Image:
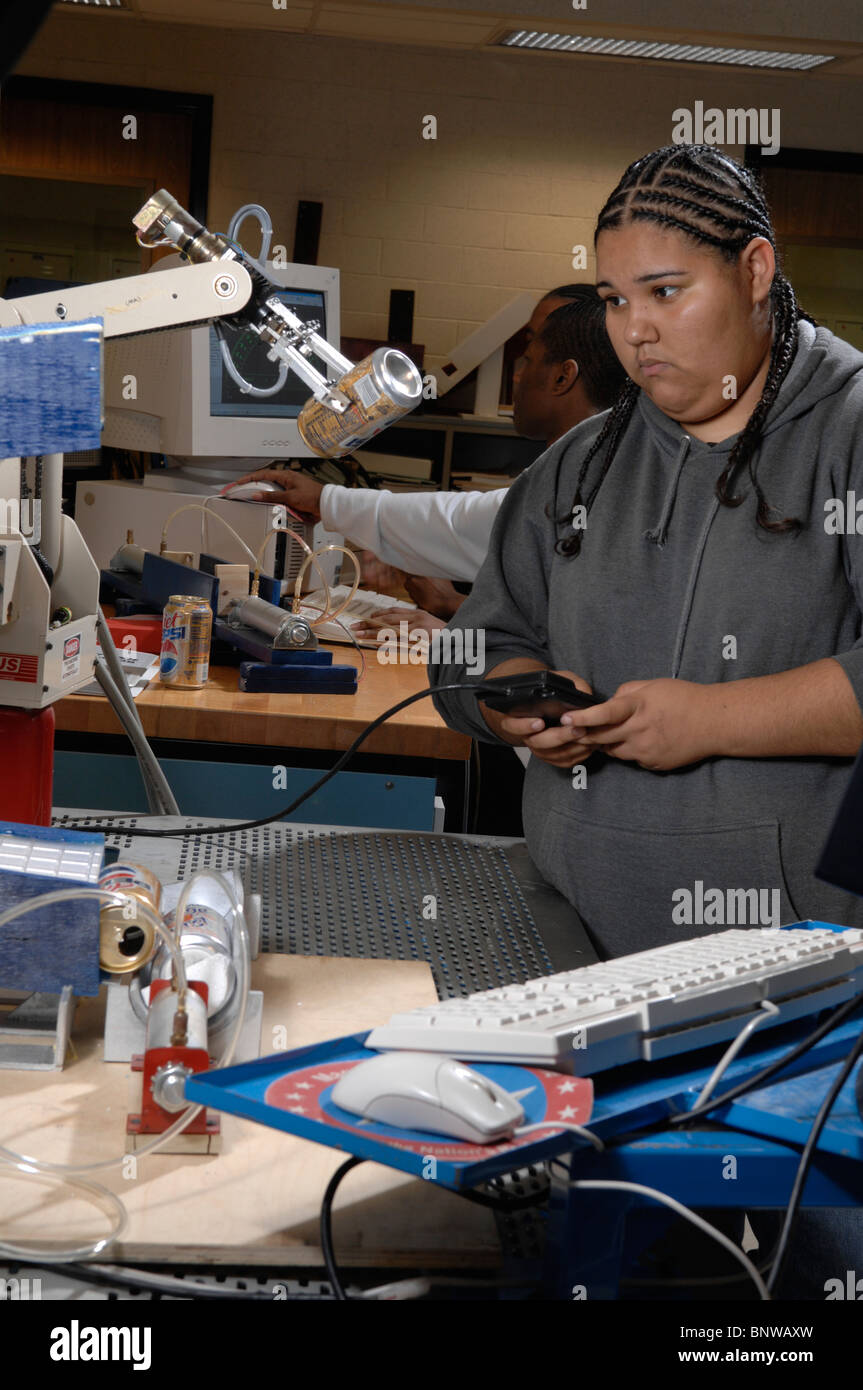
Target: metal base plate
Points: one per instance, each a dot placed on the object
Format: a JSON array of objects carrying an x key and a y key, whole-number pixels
[
  {"x": 34, "y": 1033},
  {"x": 470, "y": 906}
]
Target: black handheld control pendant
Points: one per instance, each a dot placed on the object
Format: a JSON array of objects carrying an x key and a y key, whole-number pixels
[{"x": 541, "y": 694}]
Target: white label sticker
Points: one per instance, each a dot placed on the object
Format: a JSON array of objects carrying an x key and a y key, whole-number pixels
[
  {"x": 71, "y": 663},
  {"x": 367, "y": 391}
]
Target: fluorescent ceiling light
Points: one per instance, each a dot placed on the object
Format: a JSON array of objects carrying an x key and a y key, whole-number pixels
[
  {"x": 97, "y": 4},
  {"x": 678, "y": 52}
]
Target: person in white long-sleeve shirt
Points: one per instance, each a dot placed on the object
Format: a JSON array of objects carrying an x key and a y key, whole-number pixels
[
  {"x": 442, "y": 535},
  {"x": 568, "y": 372}
]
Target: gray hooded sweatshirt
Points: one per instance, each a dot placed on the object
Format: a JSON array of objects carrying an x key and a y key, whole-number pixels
[{"x": 671, "y": 583}]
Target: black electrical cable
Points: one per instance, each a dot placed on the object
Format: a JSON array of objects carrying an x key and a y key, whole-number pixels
[
  {"x": 327, "y": 1228},
  {"x": 666, "y": 1122},
  {"x": 806, "y": 1159},
  {"x": 47, "y": 570},
  {"x": 754, "y": 1083},
  {"x": 104, "y": 829},
  {"x": 832, "y": 1020},
  {"x": 481, "y": 1199}
]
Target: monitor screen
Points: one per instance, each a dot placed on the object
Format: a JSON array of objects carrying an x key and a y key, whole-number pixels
[
  {"x": 170, "y": 392},
  {"x": 249, "y": 354}
]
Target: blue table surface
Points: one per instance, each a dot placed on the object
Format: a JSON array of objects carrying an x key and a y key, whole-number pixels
[{"x": 625, "y": 1099}]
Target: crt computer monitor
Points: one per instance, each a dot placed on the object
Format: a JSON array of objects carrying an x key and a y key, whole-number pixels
[{"x": 184, "y": 403}]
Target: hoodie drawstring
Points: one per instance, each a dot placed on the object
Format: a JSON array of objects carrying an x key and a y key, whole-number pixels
[{"x": 659, "y": 532}]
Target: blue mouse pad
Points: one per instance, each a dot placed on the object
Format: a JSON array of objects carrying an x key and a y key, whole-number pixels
[{"x": 293, "y": 1091}]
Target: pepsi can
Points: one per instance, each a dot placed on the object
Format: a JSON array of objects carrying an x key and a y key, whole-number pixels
[{"x": 187, "y": 626}]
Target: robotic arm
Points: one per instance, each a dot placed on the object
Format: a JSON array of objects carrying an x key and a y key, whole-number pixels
[
  {"x": 40, "y": 659},
  {"x": 162, "y": 221},
  {"x": 363, "y": 399}
]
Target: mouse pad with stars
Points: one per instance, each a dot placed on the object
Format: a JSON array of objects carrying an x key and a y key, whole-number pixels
[{"x": 293, "y": 1091}]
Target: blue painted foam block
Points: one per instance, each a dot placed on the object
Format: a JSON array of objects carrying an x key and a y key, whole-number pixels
[
  {"x": 309, "y": 677},
  {"x": 161, "y": 579},
  {"x": 50, "y": 388},
  {"x": 56, "y": 945}
]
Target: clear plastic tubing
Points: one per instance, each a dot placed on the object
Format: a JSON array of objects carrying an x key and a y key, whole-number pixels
[{"x": 70, "y": 1173}]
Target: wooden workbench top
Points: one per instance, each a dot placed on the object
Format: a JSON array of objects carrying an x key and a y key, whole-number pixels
[
  {"x": 258, "y": 1201},
  {"x": 220, "y": 713}
]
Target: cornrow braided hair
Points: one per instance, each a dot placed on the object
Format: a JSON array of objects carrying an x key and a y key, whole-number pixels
[{"x": 709, "y": 197}]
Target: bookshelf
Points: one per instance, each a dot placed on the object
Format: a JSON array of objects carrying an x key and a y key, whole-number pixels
[{"x": 460, "y": 444}]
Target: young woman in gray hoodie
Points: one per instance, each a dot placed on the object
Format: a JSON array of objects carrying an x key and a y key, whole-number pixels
[{"x": 692, "y": 556}]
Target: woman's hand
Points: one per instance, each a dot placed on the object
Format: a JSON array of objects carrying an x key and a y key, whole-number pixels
[
  {"x": 561, "y": 746},
  {"x": 659, "y": 724}
]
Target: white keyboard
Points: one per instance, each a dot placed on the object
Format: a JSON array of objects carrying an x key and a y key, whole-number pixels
[
  {"x": 640, "y": 1007},
  {"x": 364, "y": 604}
]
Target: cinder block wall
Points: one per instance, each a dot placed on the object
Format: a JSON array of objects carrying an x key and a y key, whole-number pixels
[{"x": 527, "y": 148}]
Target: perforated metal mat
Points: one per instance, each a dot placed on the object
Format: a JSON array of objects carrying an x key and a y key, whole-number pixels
[{"x": 470, "y": 906}]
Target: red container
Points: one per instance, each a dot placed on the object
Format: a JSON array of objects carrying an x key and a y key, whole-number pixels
[
  {"x": 147, "y": 633},
  {"x": 26, "y": 765}
]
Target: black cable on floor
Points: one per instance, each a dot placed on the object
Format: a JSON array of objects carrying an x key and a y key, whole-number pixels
[
  {"x": 327, "y": 1228},
  {"x": 87, "y": 823},
  {"x": 480, "y": 1198}
]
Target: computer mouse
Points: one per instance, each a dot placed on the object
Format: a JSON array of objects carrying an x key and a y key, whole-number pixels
[
  {"x": 422, "y": 1090},
  {"x": 248, "y": 492}
]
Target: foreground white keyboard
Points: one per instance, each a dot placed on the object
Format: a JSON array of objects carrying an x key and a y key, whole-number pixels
[{"x": 645, "y": 1006}]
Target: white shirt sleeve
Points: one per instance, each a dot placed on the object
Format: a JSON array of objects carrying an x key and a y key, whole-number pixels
[{"x": 443, "y": 535}]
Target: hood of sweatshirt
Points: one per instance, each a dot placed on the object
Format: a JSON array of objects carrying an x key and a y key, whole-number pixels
[{"x": 822, "y": 367}]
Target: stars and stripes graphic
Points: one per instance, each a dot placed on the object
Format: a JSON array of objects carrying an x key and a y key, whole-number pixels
[{"x": 545, "y": 1095}]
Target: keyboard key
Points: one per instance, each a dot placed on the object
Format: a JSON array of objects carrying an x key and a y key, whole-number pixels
[{"x": 706, "y": 989}]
